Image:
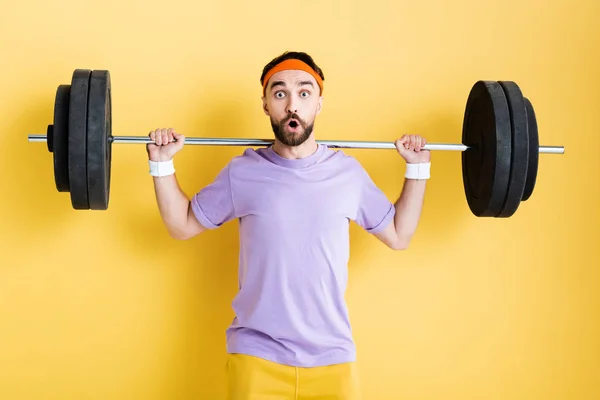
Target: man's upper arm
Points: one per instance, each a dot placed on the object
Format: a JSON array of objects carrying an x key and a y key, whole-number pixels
[
  {"x": 388, "y": 235},
  {"x": 194, "y": 226},
  {"x": 213, "y": 205}
]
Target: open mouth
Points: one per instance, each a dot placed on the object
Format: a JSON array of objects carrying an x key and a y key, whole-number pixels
[{"x": 293, "y": 124}]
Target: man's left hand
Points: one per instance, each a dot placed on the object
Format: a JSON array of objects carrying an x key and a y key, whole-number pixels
[{"x": 410, "y": 147}]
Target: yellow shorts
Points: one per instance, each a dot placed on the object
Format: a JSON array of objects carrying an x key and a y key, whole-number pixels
[{"x": 253, "y": 378}]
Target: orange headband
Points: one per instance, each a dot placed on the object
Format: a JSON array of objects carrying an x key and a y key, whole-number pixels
[{"x": 292, "y": 64}]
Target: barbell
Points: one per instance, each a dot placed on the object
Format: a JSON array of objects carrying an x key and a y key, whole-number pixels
[{"x": 500, "y": 144}]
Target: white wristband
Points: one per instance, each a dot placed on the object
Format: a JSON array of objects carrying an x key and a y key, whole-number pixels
[
  {"x": 163, "y": 168},
  {"x": 418, "y": 171}
]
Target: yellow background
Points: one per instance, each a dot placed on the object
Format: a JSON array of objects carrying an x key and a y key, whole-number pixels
[{"x": 104, "y": 305}]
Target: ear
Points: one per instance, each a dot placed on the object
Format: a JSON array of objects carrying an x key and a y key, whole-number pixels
[
  {"x": 265, "y": 106},
  {"x": 320, "y": 105}
]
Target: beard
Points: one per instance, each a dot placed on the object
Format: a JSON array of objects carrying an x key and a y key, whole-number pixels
[{"x": 292, "y": 138}]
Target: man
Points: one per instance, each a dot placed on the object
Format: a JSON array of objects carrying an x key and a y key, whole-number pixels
[{"x": 291, "y": 336}]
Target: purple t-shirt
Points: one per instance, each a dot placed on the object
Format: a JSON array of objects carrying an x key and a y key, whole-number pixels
[{"x": 294, "y": 220}]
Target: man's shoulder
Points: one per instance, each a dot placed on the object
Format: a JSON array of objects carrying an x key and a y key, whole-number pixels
[
  {"x": 343, "y": 159},
  {"x": 247, "y": 163},
  {"x": 247, "y": 157}
]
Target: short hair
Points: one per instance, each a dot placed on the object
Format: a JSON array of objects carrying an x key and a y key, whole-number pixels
[{"x": 298, "y": 55}]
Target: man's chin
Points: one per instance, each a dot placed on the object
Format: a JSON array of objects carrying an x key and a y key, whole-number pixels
[{"x": 292, "y": 141}]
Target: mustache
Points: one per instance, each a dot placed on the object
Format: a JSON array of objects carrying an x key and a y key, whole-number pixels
[{"x": 291, "y": 117}]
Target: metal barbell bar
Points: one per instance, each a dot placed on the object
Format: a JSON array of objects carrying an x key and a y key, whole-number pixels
[{"x": 340, "y": 144}]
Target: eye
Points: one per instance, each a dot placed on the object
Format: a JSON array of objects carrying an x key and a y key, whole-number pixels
[
  {"x": 305, "y": 94},
  {"x": 279, "y": 94}
]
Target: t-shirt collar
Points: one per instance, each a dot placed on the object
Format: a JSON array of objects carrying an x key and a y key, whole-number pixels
[{"x": 275, "y": 158}]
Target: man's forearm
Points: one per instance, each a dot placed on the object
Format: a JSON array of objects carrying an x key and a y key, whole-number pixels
[
  {"x": 173, "y": 204},
  {"x": 408, "y": 209}
]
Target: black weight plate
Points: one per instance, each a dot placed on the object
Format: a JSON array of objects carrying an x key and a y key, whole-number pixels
[
  {"x": 50, "y": 138},
  {"x": 78, "y": 139},
  {"x": 486, "y": 164},
  {"x": 98, "y": 147},
  {"x": 60, "y": 138},
  {"x": 519, "y": 149},
  {"x": 534, "y": 150}
]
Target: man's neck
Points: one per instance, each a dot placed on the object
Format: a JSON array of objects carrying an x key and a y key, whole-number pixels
[{"x": 306, "y": 149}]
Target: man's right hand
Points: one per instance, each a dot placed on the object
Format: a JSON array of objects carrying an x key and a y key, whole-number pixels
[{"x": 167, "y": 142}]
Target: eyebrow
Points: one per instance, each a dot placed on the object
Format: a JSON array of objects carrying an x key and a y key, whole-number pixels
[{"x": 282, "y": 83}]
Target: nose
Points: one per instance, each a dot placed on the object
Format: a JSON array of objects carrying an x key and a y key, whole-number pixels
[{"x": 291, "y": 106}]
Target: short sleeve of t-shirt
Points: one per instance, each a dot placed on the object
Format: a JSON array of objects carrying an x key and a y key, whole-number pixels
[
  {"x": 375, "y": 210},
  {"x": 213, "y": 204}
]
